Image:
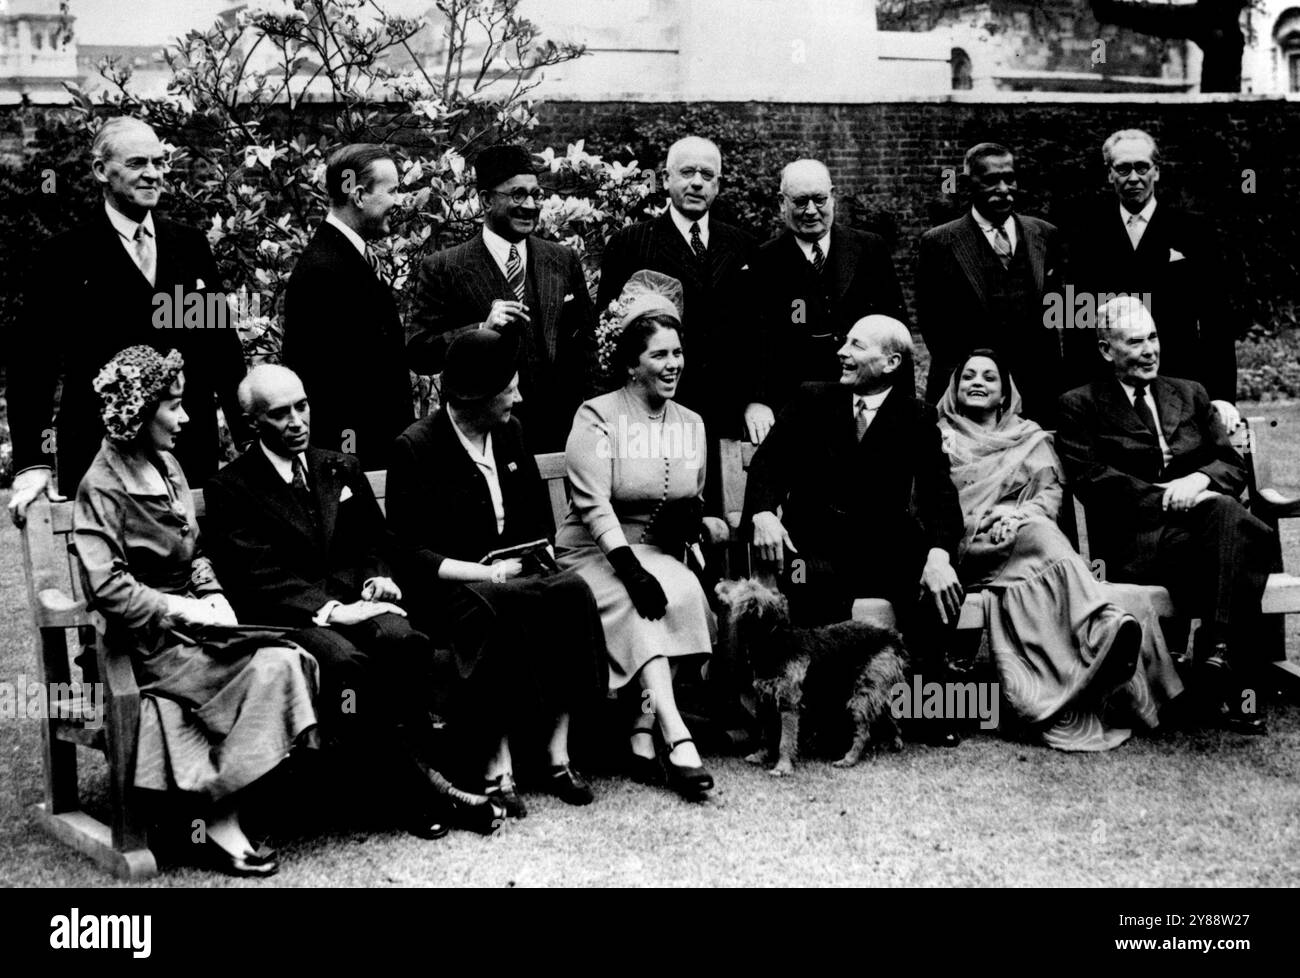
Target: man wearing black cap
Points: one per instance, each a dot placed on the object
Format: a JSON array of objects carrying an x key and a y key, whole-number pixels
[{"x": 509, "y": 280}]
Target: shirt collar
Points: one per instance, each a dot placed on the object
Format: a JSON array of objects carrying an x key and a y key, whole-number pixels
[
  {"x": 483, "y": 458},
  {"x": 125, "y": 226},
  {"x": 684, "y": 223},
  {"x": 283, "y": 466},
  {"x": 986, "y": 226},
  {"x": 806, "y": 246},
  {"x": 499, "y": 247},
  {"x": 357, "y": 241},
  {"x": 873, "y": 400},
  {"x": 1145, "y": 213},
  {"x": 1131, "y": 391}
]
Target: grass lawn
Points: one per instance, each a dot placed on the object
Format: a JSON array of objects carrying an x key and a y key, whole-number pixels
[{"x": 1201, "y": 809}]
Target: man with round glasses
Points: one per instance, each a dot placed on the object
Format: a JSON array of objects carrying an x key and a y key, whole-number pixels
[
  {"x": 512, "y": 281},
  {"x": 817, "y": 278},
  {"x": 1168, "y": 257},
  {"x": 106, "y": 284}
]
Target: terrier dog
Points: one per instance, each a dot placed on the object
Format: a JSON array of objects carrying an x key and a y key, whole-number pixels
[{"x": 840, "y": 672}]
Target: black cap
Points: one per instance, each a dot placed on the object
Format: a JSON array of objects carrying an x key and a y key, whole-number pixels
[
  {"x": 479, "y": 364},
  {"x": 497, "y": 164}
]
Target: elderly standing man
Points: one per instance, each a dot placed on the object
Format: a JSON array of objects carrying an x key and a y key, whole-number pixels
[
  {"x": 867, "y": 506},
  {"x": 100, "y": 287},
  {"x": 712, "y": 260},
  {"x": 1149, "y": 457},
  {"x": 524, "y": 287},
  {"x": 981, "y": 280},
  {"x": 816, "y": 279},
  {"x": 342, "y": 331},
  {"x": 1147, "y": 247}
]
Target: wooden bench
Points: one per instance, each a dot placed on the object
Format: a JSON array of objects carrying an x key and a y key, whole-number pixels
[
  {"x": 1281, "y": 596},
  {"x": 56, "y": 594}
]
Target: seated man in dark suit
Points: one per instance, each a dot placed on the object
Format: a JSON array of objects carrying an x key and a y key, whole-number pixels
[
  {"x": 1149, "y": 456},
  {"x": 845, "y": 462},
  {"x": 342, "y": 331},
  {"x": 298, "y": 533},
  {"x": 520, "y": 285},
  {"x": 815, "y": 279}
]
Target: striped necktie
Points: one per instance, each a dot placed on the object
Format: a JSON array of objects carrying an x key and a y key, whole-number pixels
[
  {"x": 1002, "y": 245},
  {"x": 515, "y": 273},
  {"x": 818, "y": 257}
]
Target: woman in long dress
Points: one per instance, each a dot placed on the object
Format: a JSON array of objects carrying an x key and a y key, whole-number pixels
[
  {"x": 527, "y": 642},
  {"x": 636, "y": 466},
  {"x": 1069, "y": 650},
  {"x": 220, "y": 707}
]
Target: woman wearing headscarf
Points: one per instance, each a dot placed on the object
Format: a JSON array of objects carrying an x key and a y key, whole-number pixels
[
  {"x": 636, "y": 467},
  {"x": 1064, "y": 647},
  {"x": 527, "y": 641},
  {"x": 221, "y": 706}
]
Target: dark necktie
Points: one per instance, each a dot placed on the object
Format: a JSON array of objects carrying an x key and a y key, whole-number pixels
[
  {"x": 515, "y": 273},
  {"x": 697, "y": 243},
  {"x": 818, "y": 257},
  {"x": 1143, "y": 411},
  {"x": 302, "y": 492},
  {"x": 1002, "y": 245},
  {"x": 860, "y": 419}
]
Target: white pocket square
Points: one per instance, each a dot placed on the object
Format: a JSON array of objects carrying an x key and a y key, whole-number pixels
[
  {"x": 744, "y": 268},
  {"x": 198, "y": 284},
  {"x": 569, "y": 297},
  {"x": 1176, "y": 255},
  {"x": 346, "y": 494}
]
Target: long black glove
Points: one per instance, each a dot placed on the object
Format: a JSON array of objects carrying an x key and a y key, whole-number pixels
[
  {"x": 647, "y": 596},
  {"x": 678, "y": 524}
]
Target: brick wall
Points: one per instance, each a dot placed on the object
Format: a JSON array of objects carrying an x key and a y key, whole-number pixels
[{"x": 889, "y": 159}]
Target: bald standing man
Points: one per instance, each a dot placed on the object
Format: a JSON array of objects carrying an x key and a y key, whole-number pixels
[{"x": 815, "y": 279}]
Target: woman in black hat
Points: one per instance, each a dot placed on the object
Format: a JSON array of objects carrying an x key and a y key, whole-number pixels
[{"x": 527, "y": 640}]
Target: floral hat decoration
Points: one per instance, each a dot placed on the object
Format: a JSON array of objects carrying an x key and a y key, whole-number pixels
[
  {"x": 646, "y": 293},
  {"x": 133, "y": 381}
]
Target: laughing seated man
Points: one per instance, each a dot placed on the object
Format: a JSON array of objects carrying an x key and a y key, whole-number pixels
[
  {"x": 1150, "y": 459},
  {"x": 868, "y": 508}
]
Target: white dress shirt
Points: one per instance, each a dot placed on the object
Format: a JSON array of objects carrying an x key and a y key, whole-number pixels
[
  {"x": 1009, "y": 225},
  {"x": 872, "y": 401},
  {"x": 126, "y": 229},
  {"x": 684, "y": 224},
  {"x": 357, "y": 241},
  {"x": 806, "y": 246},
  {"x": 1136, "y": 224},
  {"x": 499, "y": 248},
  {"x": 488, "y": 466},
  {"x": 1131, "y": 391}
]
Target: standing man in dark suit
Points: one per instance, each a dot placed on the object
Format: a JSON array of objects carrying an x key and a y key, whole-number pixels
[
  {"x": 981, "y": 281},
  {"x": 1149, "y": 456},
  {"x": 816, "y": 279},
  {"x": 712, "y": 261},
  {"x": 342, "y": 331},
  {"x": 298, "y": 533},
  {"x": 1158, "y": 250},
  {"x": 844, "y": 463},
  {"x": 522, "y": 286},
  {"x": 100, "y": 287}
]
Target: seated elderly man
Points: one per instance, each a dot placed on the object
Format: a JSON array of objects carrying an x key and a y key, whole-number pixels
[
  {"x": 868, "y": 509},
  {"x": 1149, "y": 457},
  {"x": 298, "y": 534}
]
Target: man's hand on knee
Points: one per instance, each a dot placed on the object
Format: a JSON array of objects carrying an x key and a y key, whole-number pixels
[
  {"x": 1182, "y": 494},
  {"x": 940, "y": 582}
]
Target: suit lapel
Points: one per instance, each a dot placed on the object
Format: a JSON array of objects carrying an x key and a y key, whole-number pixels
[
  {"x": 1121, "y": 408},
  {"x": 1033, "y": 242},
  {"x": 967, "y": 240},
  {"x": 670, "y": 241},
  {"x": 274, "y": 493},
  {"x": 327, "y": 485},
  {"x": 844, "y": 262},
  {"x": 127, "y": 269},
  {"x": 548, "y": 280},
  {"x": 1170, "y": 407}
]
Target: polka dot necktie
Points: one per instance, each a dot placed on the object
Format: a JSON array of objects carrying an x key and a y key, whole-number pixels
[{"x": 697, "y": 243}]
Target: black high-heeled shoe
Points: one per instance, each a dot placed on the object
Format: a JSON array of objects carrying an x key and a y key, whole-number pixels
[
  {"x": 265, "y": 862},
  {"x": 501, "y": 789},
  {"x": 689, "y": 782},
  {"x": 645, "y": 770}
]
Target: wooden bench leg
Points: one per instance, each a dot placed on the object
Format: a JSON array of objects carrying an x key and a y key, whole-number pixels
[
  {"x": 92, "y": 837},
  {"x": 60, "y": 756}
]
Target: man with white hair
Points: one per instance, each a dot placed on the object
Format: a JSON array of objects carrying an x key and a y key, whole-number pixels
[
  {"x": 1136, "y": 245},
  {"x": 816, "y": 279},
  {"x": 867, "y": 506},
  {"x": 104, "y": 285},
  {"x": 1149, "y": 457},
  {"x": 712, "y": 261}
]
